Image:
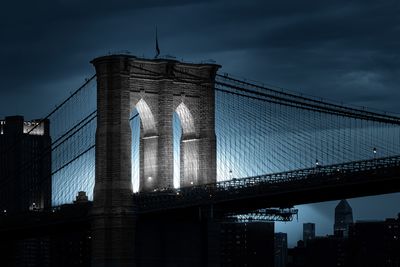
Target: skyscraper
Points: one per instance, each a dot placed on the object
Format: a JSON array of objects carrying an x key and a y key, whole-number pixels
[
  {"x": 308, "y": 232},
  {"x": 343, "y": 219},
  {"x": 281, "y": 249},
  {"x": 25, "y": 164}
]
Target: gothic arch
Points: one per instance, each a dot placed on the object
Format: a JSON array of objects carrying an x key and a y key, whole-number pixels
[
  {"x": 186, "y": 119},
  {"x": 148, "y": 147},
  {"x": 189, "y": 147},
  {"x": 146, "y": 117}
]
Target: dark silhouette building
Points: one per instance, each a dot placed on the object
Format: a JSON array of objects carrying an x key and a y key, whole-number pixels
[
  {"x": 51, "y": 237},
  {"x": 392, "y": 241},
  {"x": 247, "y": 244},
  {"x": 281, "y": 249},
  {"x": 369, "y": 244},
  {"x": 343, "y": 219},
  {"x": 25, "y": 164},
  {"x": 308, "y": 232},
  {"x": 297, "y": 255},
  {"x": 375, "y": 243},
  {"x": 327, "y": 251}
]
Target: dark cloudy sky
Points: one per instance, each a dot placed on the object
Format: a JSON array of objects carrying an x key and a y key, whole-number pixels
[{"x": 342, "y": 50}]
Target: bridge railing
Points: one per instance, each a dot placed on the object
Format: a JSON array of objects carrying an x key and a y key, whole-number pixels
[{"x": 320, "y": 170}]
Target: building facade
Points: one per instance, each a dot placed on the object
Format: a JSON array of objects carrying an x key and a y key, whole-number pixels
[
  {"x": 247, "y": 244},
  {"x": 25, "y": 164},
  {"x": 375, "y": 243}
]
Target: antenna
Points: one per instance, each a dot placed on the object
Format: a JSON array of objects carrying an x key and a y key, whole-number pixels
[{"x": 157, "y": 47}]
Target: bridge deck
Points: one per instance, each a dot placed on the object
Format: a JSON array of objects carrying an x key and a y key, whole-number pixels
[{"x": 352, "y": 179}]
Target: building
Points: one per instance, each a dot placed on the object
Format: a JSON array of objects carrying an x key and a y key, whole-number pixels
[
  {"x": 281, "y": 249},
  {"x": 343, "y": 219},
  {"x": 367, "y": 239},
  {"x": 375, "y": 243},
  {"x": 49, "y": 237},
  {"x": 25, "y": 164},
  {"x": 392, "y": 241},
  {"x": 327, "y": 251},
  {"x": 297, "y": 255},
  {"x": 308, "y": 232},
  {"x": 247, "y": 244}
]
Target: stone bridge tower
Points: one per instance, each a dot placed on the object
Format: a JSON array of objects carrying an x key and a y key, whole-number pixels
[{"x": 156, "y": 88}]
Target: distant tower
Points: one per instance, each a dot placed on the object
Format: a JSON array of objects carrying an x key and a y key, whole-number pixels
[
  {"x": 343, "y": 219},
  {"x": 308, "y": 232},
  {"x": 281, "y": 249}
]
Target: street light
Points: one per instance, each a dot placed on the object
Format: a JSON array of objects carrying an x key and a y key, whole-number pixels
[{"x": 316, "y": 163}]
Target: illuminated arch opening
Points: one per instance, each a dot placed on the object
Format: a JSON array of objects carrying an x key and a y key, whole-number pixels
[
  {"x": 135, "y": 154},
  {"x": 186, "y": 148},
  {"x": 177, "y": 134},
  {"x": 143, "y": 125}
]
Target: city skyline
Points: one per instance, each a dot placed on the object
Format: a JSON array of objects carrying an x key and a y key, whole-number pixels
[{"x": 347, "y": 52}]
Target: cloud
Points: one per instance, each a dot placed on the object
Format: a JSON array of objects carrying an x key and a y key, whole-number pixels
[{"x": 316, "y": 48}]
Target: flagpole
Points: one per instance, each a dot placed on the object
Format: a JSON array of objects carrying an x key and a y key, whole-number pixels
[{"x": 157, "y": 47}]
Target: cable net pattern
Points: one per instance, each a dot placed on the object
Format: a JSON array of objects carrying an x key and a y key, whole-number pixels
[
  {"x": 259, "y": 131},
  {"x": 73, "y": 128}
]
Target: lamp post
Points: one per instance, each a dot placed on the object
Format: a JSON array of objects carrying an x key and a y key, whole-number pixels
[{"x": 316, "y": 163}]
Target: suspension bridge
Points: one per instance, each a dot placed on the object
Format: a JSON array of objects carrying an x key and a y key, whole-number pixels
[
  {"x": 264, "y": 137},
  {"x": 158, "y": 136}
]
